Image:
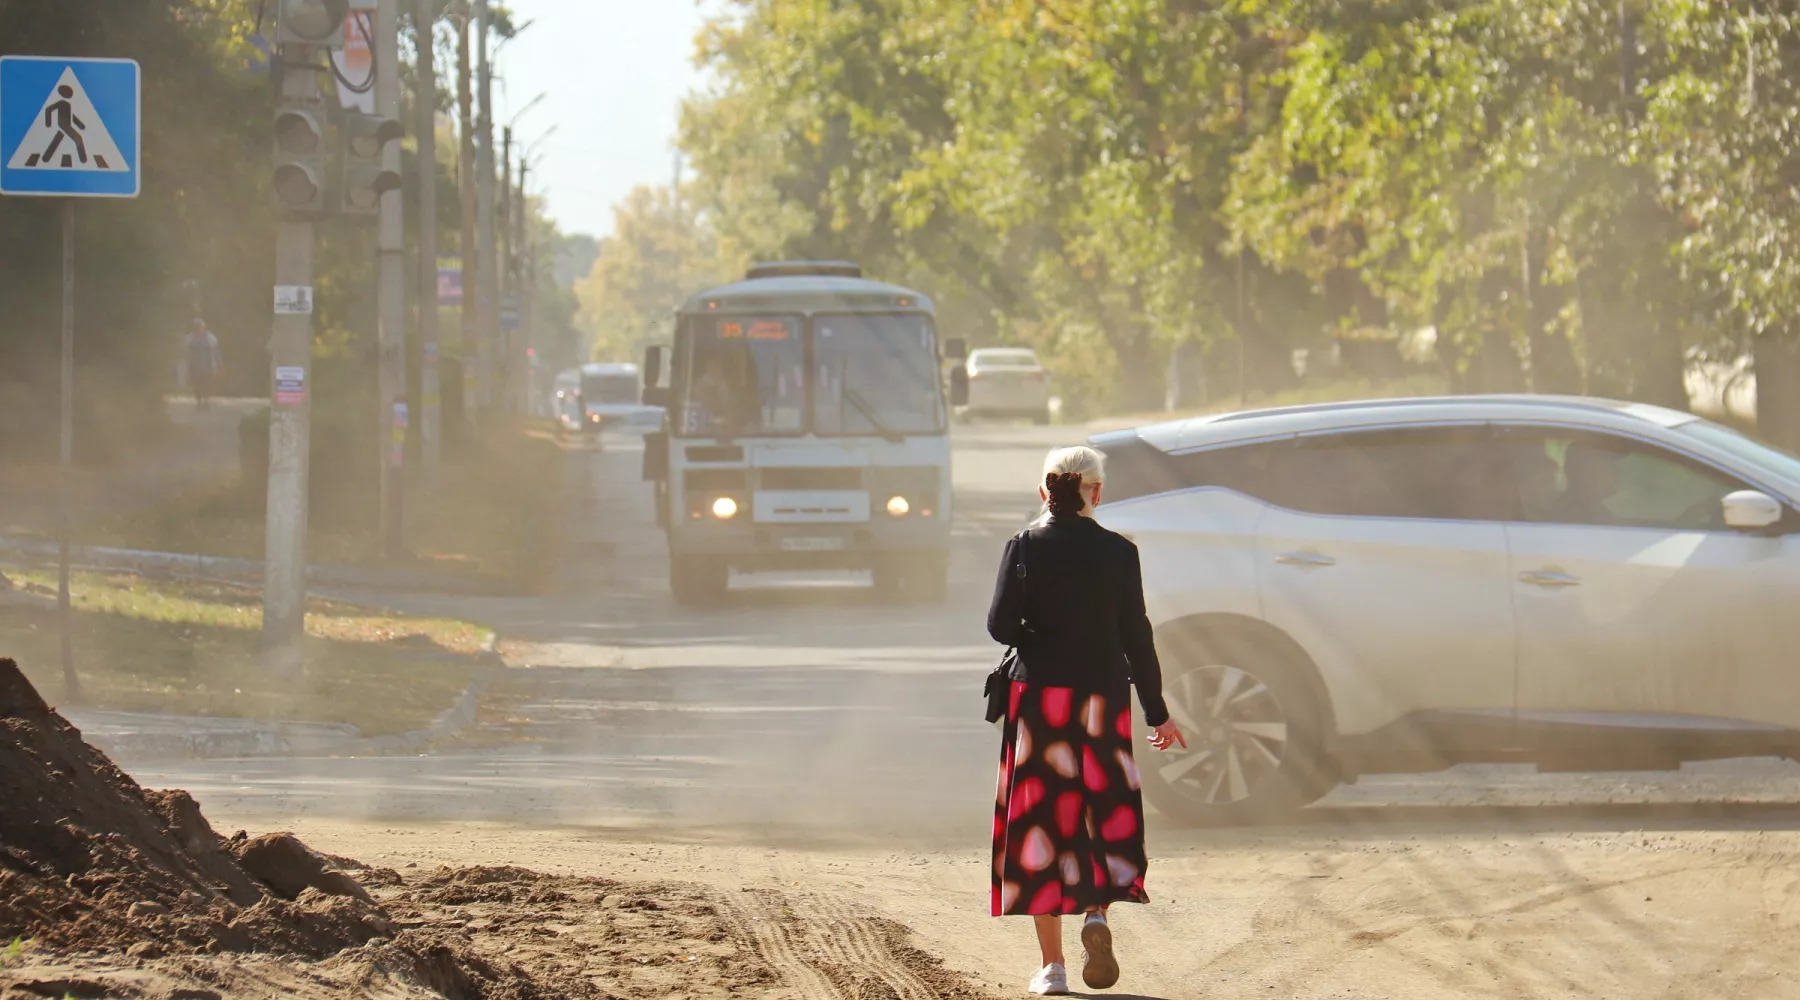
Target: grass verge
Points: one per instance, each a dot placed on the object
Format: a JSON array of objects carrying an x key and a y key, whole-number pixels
[
  {"x": 193, "y": 648},
  {"x": 489, "y": 522}
]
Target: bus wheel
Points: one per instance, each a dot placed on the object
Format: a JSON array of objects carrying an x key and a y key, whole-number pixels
[{"x": 698, "y": 581}]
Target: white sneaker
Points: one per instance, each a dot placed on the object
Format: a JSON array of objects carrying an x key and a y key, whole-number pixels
[
  {"x": 1099, "y": 969},
  {"x": 1051, "y": 981}
]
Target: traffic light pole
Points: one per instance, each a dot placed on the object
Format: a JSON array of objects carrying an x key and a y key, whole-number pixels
[
  {"x": 290, "y": 413},
  {"x": 391, "y": 291}
]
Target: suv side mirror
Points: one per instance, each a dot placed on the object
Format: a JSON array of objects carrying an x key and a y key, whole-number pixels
[
  {"x": 959, "y": 385},
  {"x": 956, "y": 348},
  {"x": 1750, "y": 510}
]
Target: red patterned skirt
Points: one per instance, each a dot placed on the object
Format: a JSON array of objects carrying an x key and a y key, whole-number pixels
[{"x": 1069, "y": 818}]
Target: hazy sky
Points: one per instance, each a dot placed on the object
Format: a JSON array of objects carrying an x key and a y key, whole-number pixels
[{"x": 614, "y": 73}]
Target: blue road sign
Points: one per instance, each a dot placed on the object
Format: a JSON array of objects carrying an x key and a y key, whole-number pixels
[{"x": 69, "y": 127}]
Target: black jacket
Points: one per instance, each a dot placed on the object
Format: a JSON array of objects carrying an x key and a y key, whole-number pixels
[{"x": 1077, "y": 618}]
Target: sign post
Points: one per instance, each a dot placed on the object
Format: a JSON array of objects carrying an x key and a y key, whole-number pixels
[{"x": 69, "y": 128}]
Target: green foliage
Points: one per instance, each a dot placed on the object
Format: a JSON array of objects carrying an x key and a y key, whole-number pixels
[
  {"x": 658, "y": 255},
  {"x": 1579, "y": 195}
]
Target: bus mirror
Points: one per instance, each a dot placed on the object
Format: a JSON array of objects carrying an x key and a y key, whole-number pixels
[
  {"x": 959, "y": 386},
  {"x": 956, "y": 348},
  {"x": 653, "y": 366},
  {"x": 656, "y": 395}
]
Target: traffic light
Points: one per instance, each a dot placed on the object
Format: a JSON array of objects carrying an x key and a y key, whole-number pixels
[
  {"x": 299, "y": 161},
  {"x": 311, "y": 22},
  {"x": 365, "y": 179}
]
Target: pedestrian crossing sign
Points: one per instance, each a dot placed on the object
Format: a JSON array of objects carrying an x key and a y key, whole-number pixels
[{"x": 69, "y": 127}]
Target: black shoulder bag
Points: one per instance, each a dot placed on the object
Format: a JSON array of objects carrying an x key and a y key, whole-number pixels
[{"x": 999, "y": 681}]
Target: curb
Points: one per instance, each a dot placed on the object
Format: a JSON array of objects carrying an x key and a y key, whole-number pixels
[
  {"x": 102, "y": 557},
  {"x": 448, "y": 724},
  {"x": 206, "y": 739}
]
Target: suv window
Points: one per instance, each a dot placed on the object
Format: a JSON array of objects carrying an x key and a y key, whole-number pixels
[
  {"x": 1574, "y": 477},
  {"x": 1440, "y": 473}
]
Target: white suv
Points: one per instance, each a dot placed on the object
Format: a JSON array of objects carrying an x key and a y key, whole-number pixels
[{"x": 1406, "y": 585}]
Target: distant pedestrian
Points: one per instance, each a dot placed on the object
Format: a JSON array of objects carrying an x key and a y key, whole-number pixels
[
  {"x": 204, "y": 365},
  {"x": 1069, "y": 820}
]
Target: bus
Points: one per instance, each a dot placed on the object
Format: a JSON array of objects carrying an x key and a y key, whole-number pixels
[{"x": 806, "y": 427}]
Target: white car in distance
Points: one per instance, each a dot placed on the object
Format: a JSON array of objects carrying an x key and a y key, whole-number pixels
[
  {"x": 1408, "y": 585},
  {"x": 1007, "y": 382}
]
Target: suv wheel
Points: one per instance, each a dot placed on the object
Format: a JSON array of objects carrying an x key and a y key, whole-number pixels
[{"x": 1253, "y": 750}]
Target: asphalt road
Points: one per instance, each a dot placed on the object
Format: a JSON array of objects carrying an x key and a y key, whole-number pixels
[
  {"x": 803, "y": 705},
  {"x": 804, "y": 709}
]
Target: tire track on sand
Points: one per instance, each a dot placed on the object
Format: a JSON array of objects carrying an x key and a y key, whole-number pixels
[
  {"x": 825, "y": 948},
  {"x": 856, "y": 943},
  {"x": 763, "y": 921}
]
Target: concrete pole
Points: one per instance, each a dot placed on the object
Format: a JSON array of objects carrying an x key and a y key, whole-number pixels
[
  {"x": 467, "y": 333},
  {"x": 290, "y": 424},
  {"x": 508, "y": 266},
  {"x": 486, "y": 281},
  {"x": 390, "y": 291},
  {"x": 504, "y": 214},
  {"x": 430, "y": 452},
  {"x": 527, "y": 286}
]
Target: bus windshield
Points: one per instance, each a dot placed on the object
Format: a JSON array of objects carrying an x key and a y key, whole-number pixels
[
  {"x": 872, "y": 374},
  {"x": 875, "y": 374},
  {"x": 612, "y": 388},
  {"x": 744, "y": 375}
]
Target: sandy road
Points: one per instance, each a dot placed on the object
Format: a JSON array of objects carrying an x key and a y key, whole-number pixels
[{"x": 806, "y": 741}]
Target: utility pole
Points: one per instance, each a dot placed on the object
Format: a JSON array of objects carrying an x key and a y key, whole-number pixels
[
  {"x": 468, "y": 333},
  {"x": 424, "y": 31},
  {"x": 486, "y": 281},
  {"x": 390, "y": 290},
  {"x": 299, "y": 189},
  {"x": 526, "y": 283},
  {"x": 508, "y": 337},
  {"x": 504, "y": 212}
]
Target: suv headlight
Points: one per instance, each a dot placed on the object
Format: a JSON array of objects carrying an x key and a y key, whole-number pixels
[
  {"x": 724, "y": 508},
  {"x": 897, "y": 506}
]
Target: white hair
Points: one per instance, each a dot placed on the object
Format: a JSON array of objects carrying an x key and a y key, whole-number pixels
[{"x": 1080, "y": 460}]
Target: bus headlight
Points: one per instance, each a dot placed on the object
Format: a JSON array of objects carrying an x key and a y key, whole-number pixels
[
  {"x": 898, "y": 507},
  {"x": 724, "y": 508}
]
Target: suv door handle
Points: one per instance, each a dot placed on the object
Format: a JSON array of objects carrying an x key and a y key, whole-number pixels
[
  {"x": 1304, "y": 559},
  {"x": 1549, "y": 578}
]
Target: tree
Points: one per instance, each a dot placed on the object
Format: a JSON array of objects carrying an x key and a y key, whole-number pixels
[
  {"x": 658, "y": 255},
  {"x": 1579, "y": 195}
]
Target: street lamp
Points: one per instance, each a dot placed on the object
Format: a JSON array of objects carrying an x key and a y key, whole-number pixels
[
  {"x": 535, "y": 143},
  {"x": 534, "y": 102}
]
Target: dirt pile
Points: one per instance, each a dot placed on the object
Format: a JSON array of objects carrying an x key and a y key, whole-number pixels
[
  {"x": 89, "y": 861},
  {"x": 128, "y": 894}
]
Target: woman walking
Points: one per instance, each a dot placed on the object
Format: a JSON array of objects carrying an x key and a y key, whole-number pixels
[{"x": 1069, "y": 820}]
